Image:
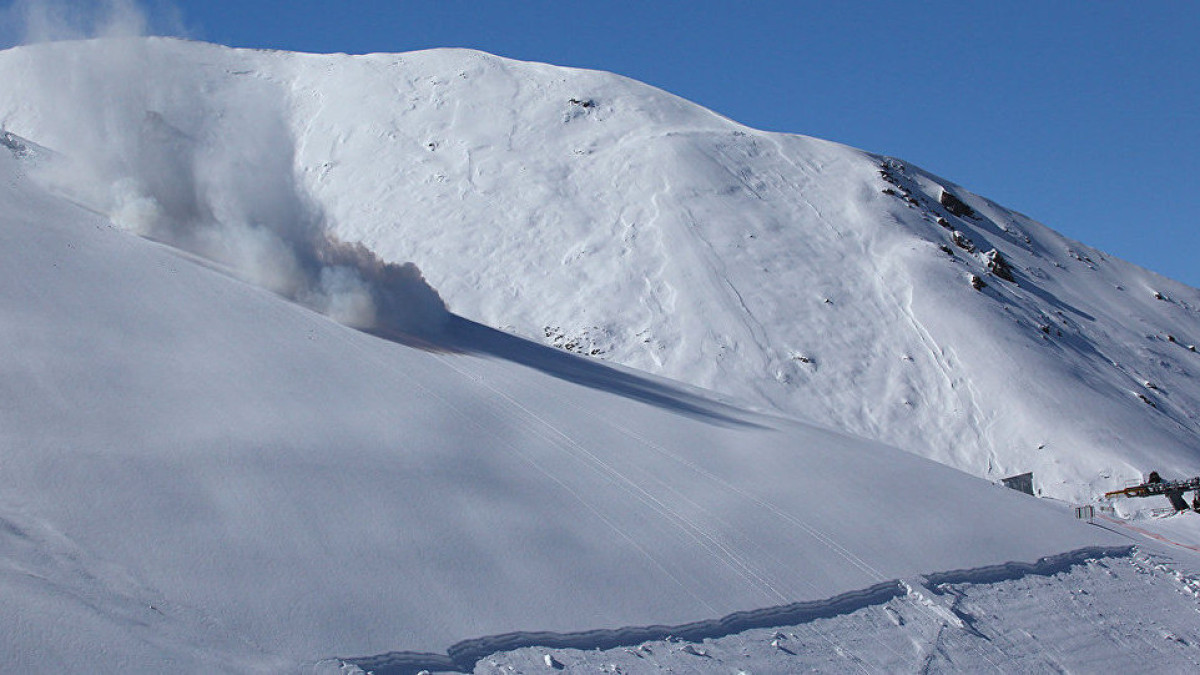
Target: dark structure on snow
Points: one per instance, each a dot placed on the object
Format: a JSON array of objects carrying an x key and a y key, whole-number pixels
[
  {"x": 1173, "y": 490},
  {"x": 1021, "y": 482}
]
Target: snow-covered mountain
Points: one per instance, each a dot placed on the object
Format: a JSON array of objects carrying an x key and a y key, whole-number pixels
[
  {"x": 609, "y": 218},
  {"x": 200, "y": 470},
  {"x": 200, "y": 473}
]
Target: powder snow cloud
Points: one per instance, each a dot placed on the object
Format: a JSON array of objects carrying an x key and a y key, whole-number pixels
[{"x": 206, "y": 166}]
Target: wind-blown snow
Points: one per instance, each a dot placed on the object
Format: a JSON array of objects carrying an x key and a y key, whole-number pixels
[
  {"x": 612, "y": 219},
  {"x": 209, "y": 169}
]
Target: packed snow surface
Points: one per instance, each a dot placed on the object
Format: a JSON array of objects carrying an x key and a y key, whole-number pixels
[{"x": 204, "y": 465}]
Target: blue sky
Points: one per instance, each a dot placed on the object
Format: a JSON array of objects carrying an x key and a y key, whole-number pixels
[{"x": 1083, "y": 115}]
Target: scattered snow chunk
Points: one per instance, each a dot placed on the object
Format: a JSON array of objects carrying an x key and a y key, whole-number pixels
[{"x": 552, "y": 662}]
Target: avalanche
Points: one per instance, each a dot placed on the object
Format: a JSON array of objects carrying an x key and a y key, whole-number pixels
[{"x": 202, "y": 469}]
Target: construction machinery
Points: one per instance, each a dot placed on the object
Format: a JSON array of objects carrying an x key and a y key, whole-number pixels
[{"x": 1172, "y": 489}]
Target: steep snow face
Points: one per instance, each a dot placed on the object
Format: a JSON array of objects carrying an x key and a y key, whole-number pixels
[
  {"x": 200, "y": 475},
  {"x": 611, "y": 219}
]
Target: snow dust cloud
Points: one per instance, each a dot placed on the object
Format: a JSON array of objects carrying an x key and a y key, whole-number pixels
[
  {"x": 201, "y": 163},
  {"x": 34, "y": 21}
]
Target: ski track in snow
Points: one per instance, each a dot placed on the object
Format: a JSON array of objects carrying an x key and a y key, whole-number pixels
[
  {"x": 538, "y": 430},
  {"x": 706, "y": 539},
  {"x": 804, "y": 527}
]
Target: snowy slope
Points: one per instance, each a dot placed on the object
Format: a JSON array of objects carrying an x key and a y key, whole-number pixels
[
  {"x": 200, "y": 474},
  {"x": 612, "y": 219}
]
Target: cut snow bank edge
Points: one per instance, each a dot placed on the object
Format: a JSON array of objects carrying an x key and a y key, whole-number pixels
[{"x": 462, "y": 656}]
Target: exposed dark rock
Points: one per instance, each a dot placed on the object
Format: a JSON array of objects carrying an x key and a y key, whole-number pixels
[
  {"x": 976, "y": 282},
  {"x": 584, "y": 343},
  {"x": 997, "y": 265},
  {"x": 960, "y": 240},
  {"x": 14, "y": 144},
  {"x": 955, "y": 205}
]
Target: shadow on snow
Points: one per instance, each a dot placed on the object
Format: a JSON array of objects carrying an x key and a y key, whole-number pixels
[{"x": 458, "y": 335}]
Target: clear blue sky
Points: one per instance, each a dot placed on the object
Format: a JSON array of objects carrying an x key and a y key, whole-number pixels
[{"x": 1083, "y": 115}]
